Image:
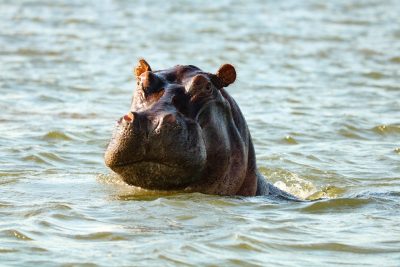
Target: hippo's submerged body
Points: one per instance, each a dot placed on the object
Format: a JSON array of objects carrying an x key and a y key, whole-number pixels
[{"x": 185, "y": 132}]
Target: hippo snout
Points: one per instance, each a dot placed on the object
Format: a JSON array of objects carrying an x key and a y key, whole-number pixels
[
  {"x": 156, "y": 151},
  {"x": 136, "y": 132}
]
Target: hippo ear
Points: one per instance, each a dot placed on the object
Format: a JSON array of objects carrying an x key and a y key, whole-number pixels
[
  {"x": 227, "y": 74},
  {"x": 141, "y": 67}
]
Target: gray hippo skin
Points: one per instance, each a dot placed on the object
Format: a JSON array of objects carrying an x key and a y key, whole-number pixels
[{"x": 185, "y": 132}]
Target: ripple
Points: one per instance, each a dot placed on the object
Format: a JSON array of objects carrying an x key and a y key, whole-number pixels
[
  {"x": 174, "y": 259},
  {"x": 8, "y": 250},
  {"x": 81, "y": 88},
  {"x": 5, "y": 181},
  {"x": 77, "y": 264},
  {"x": 343, "y": 248},
  {"x": 56, "y": 135},
  {"x": 395, "y": 60},
  {"x": 393, "y": 195},
  {"x": 75, "y": 115},
  {"x": 291, "y": 182},
  {"x": 244, "y": 242},
  {"x": 16, "y": 234},
  {"x": 128, "y": 192},
  {"x": 329, "y": 191},
  {"x": 38, "y": 249},
  {"x": 5, "y": 205},
  {"x": 34, "y": 52},
  {"x": 79, "y": 21},
  {"x": 338, "y": 205},
  {"x": 289, "y": 140},
  {"x": 46, "y": 210},
  {"x": 140, "y": 194},
  {"x": 351, "y": 132},
  {"x": 374, "y": 75},
  {"x": 50, "y": 98},
  {"x": 110, "y": 179},
  {"x": 352, "y": 22},
  {"x": 387, "y": 129},
  {"x": 51, "y": 156},
  {"x": 109, "y": 236},
  {"x": 47, "y": 158},
  {"x": 36, "y": 159}
]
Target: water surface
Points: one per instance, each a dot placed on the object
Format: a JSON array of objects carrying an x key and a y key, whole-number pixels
[{"x": 319, "y": 84}]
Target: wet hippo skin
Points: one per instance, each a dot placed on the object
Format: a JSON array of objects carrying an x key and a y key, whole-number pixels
[{"x": 185, "y": 132}]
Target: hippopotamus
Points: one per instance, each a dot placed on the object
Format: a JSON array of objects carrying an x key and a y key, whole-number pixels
[{"x": 185, "y": 133}]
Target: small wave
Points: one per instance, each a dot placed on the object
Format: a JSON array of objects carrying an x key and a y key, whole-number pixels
[
  {"x": 5, "y": 205},
  {"x": 76, "y": 115},
  {"x": 374, "y": 75},
  {"x": 386, "y": 195},
  {"x": 79, "y": 21},
  {"x": 36, "y": 159},
  {"x": 289, "y": 140},
  {"x": 337, "y": 205},
  {"x": 341, "y": 248},
  {"x": 351, "y": 22},
  {"x": 56, "y": 135},
  {"x": 47, "y": 209},
  {"x": 81, "y": 88},
  {"x": 43, "y": 158},
  {"x": 352, "y": 132},
  {"x": 328, "y": 191},
  {"x": 7, "y": 250},
  {"x": 51, "y": 156},
  {"x": 16, "y": 234},
  {"x": 387, "y": 129},
  {"x": 141, "y": 194},
  {"x": 348, "y": 134},
  {"x": 302, "y": 188},
  {"x": 101, "y": 236},
  {"x": 34, "y": 52},
  {"x": 110, "y": 179},
  {"x": 395, "y": 60},
  {"x": 5, "y": 181},
  {"x": 129, "y": 192}
]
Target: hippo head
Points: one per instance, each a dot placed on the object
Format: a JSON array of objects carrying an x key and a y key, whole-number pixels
[{"x": 181, "y": 132}]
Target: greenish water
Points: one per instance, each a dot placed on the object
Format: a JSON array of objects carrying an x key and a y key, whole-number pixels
[{"x": 319, "y": 84}]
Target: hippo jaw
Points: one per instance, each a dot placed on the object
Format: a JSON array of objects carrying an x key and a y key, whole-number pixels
[{"x": 163, "y": 177}]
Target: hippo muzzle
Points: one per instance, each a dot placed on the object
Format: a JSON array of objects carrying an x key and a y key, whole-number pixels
[{"x": 157, "y": 150}]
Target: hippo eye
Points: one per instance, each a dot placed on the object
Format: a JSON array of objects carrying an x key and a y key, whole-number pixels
[{"x": 208, "y": 88}]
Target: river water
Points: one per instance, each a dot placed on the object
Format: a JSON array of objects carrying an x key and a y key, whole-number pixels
[{"x": 319, "y": 85}]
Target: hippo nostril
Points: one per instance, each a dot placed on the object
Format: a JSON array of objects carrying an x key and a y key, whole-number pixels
[
  {"x": 170, "y": 118},
  {"x": 165, "y": 121},
  {"x": 129, "y": 117}
]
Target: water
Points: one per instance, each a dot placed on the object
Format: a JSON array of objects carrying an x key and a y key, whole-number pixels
[{"x": 319, "y": 84}]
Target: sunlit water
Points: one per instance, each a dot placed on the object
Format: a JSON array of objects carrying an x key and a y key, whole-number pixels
[{"x": 319, "y": 84}]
